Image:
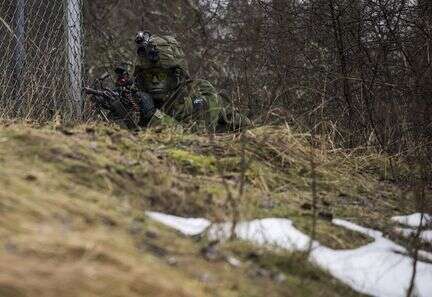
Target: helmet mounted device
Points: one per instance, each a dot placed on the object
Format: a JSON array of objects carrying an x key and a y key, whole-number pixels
[{"x": 145, "y": 47}]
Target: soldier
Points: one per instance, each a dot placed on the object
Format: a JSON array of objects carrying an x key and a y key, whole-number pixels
[{"x": 168, "y": 96}]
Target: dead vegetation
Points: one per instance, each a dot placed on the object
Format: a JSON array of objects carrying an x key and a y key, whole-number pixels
[{"x": 72, "y": 204}]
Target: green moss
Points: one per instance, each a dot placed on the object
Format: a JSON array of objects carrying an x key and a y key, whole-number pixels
[
  {"x": 88, "y": 191},
  {"x": 229, "y": 164},
  {"x": 302, "y": 277},
  {"x": 193, "y": 163},
  {"x": 215, "y": 189}
]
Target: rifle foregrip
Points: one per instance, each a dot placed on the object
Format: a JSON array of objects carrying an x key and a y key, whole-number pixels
[{"x": 91, "y": 91}]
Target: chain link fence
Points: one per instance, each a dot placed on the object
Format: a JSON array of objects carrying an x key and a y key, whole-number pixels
[{"x": 41, "y": 59}]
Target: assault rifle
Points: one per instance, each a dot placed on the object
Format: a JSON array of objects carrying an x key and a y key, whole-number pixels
[{"x": 119, "y": 101}]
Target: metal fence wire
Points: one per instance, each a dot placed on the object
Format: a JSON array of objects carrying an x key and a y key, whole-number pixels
[{"x": 40, "y": 58}]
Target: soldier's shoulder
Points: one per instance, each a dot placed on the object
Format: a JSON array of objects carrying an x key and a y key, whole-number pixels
[{"x": 201, "y": 83}]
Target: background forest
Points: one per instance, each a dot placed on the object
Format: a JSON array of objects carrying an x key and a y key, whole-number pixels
[{"x": 358, "y": 72}]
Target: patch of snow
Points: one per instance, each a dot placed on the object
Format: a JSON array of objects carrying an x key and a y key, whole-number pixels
[
  {"x": 234, "y": 261},
  {"x": 354, "y": 227},
  {"x": 189, "y": 227},
  {"x": 273, "y": 232},
  {"x": 381, "y": 268},
  {"x": 425, "y": 255},
  {"x": 413, "y": 220},
  {"x": 407, "y": 232}
]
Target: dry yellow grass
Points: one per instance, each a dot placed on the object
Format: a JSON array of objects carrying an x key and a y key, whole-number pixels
[{"x": 72, "y": 204}]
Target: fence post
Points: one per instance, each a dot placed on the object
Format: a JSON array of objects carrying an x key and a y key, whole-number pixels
[
  {"x": 74, "y": 39},
  {"x": 19, "y": 52}
]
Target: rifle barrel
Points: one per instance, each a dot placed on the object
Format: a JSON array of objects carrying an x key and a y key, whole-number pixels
[{"x": 92, "y": 91}]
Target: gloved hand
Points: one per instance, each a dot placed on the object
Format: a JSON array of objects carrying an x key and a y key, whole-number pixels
[{"x": 147, "y": 107}]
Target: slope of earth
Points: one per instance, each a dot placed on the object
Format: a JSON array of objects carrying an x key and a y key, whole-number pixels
[{"x": 72, "y": 203}]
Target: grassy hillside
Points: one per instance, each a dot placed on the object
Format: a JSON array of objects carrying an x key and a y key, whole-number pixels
[{"x": 72, "y": 205}]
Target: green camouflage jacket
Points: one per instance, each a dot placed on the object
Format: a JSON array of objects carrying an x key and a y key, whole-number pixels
[
  {"x": 179, "y": 108},
  {"x": 215, "y": 114}
]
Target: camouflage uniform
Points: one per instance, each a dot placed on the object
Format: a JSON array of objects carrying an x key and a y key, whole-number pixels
[{"x": 192, "y": 103}]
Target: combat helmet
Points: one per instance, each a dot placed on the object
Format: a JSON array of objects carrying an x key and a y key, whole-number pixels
[{"x": 159, "y": 51}]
